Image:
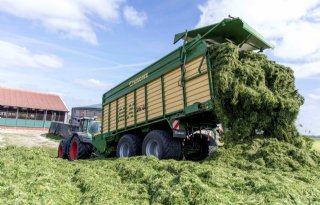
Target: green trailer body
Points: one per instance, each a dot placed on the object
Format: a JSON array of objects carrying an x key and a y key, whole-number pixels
[{"x": 176, "y": 92}]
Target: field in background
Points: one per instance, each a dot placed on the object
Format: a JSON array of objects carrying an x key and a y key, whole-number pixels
[
  {"x": 316, "y": 145},
  {"x": 26, "y": 138},
  {"x": 264, "y": 172}
]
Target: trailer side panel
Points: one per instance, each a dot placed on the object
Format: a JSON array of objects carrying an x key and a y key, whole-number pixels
[
  {"x": 105, "y": 127},
  {"x": 140, "y": 105},
  {"x": 197, "y": 82},
  {"x": 173, "y": 91},
  {"x": 121, "y": 109},
  {"x": 154, "y": 94},
  {"x": 113, "y": 116},
  {"x": 130, "y": 109}
]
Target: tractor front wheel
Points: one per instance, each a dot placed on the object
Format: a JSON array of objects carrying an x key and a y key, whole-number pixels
[
  {"x": 63, "y": 148},
  {"x": 79, "y": 150}
]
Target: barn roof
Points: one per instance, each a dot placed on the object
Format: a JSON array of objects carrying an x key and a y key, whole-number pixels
[{"x": 31, "y": 99}]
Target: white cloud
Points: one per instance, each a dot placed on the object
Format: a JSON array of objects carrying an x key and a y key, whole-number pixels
[
  {"x": 70, "y": 18},
  {"x": 294, "y": 27},
  {"x": 13, "y": 55},
  {"x": 305, "y": 70},
  {"x": 134, "y": 17},
  {"x": 314, "y": 96},
  {"x": 94, "y": 83}
]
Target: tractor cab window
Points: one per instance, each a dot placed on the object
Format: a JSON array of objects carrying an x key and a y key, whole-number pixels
[
  {"x": 95, "y": 127},
  {"x": 83, "y": 125}
]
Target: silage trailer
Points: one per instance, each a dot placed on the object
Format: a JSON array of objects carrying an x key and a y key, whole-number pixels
[{"x": 164, "y": 109}]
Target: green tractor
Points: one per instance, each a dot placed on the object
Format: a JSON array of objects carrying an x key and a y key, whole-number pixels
[{"x": 79, "y": 145}]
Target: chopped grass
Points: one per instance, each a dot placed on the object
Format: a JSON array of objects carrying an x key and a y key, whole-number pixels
[
  {"x": 53, "y": 137},
  {"x": 253, "y": 93},
  {"x": 266, "y": 171}
]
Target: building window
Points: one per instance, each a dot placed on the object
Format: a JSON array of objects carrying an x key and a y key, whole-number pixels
[
  {"x": 54, "y": 116},
  {"x": 49, "y": 116},
  {"x": 39, "y": 115},
  {"x": 3, "y": 112},
  {"x": 31, "y": 114},
  {"x": 22, "y": 114},
  {"x": 12, "y": 113},
  {"x": 61, "y": 117}
]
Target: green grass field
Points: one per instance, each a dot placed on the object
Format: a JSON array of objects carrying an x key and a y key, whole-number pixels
[
  {"x": 316, "y": 145},
  {"x": 262, "y": 172}
]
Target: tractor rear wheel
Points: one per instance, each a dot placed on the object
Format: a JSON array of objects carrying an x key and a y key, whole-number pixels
[
  {"x": 129, "y": 145},
  {"x": 63, "y": 149},
  {"x": 162, "y": 145},
  {"x": 79, "y": 150},
  {"x": 197, "y": 147}
]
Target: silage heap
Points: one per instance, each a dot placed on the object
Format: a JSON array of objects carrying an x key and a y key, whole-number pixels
[
  {"x": 253, "y": 93},
  {"x": 232, "y": 176}
]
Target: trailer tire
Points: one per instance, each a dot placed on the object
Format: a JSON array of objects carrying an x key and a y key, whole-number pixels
[
  {"x": 162, "y": 145},
  {"x": 63, "y": 149},
  {"x": 202, "y": 144},
  {"x": 129, "y": 145},
  {"x": 79, "y": 150}
]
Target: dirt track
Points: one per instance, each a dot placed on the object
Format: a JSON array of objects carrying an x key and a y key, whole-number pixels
[{"x": 26, "y": 138}]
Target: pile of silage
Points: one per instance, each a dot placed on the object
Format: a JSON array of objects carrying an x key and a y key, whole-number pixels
[
  {"x": 254, "y": 93},
  {"x": 36, "y": 176},
  {"x": 272, "y": 153}
]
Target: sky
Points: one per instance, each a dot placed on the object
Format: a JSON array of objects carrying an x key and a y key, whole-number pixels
[{"x": 79, "y": 49}]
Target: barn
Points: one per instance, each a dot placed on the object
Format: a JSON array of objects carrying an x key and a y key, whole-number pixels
[{"x": 23, "y": 108}]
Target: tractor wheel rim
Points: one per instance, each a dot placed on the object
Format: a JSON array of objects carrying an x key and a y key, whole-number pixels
[
  {"x": 124, "y": 150},
  {"x": 60, "y": 152},
  {"x": 73, "y": 151},
  {"x": 152, "y": 148}
]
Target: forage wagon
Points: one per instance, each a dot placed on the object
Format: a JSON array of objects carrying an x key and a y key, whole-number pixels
[{"x": 164, "y": 109}]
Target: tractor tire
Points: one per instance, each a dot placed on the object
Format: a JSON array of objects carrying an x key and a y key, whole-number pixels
[
  {"x": 162, "y": 145},
  {"x": 79, "y": 150},
  {"x": 129, "y": 145},
  {"x": 63, "y": 148},
  {"x": 201, "y": 144}
]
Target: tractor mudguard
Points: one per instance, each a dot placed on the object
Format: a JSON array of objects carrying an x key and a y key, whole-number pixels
[{"x": 83, "y": 137}]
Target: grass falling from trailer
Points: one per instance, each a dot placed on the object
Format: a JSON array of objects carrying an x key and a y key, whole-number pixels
[{"x": 253, "y": 93}]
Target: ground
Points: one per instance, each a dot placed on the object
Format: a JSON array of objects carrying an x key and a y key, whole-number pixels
[
  {"x": 26, "y": 138},
  {"x": 264, "y": 172}
]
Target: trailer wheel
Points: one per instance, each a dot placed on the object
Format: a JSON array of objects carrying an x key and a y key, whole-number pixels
[
  {"x": 197, "y": 148},
  {"x": 129, "y": 145},
  {"x": 79, "y": 150},
  {"x": 161, "y": 144},
  {"x": 63, "y": 149}
]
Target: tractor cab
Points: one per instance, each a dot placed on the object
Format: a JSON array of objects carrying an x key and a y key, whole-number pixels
[
  {"x": 90, "y": 125},
  {"x": 233, "y": 30}
]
